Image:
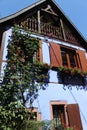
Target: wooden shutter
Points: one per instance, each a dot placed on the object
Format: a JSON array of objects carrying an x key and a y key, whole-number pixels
[
  {"x": 83, "y": 59},
  {"x": 74, "y": 116},
  {"x": 55, "y": 55},
  {"x": 39, "y": 52}
]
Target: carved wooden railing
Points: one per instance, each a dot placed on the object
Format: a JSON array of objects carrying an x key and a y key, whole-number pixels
[
  {"x": 29, "y": 24},
  {"x": 71, "y": 37},
  {"x": 43, "y": 28},
  {"x": 48, "y": 29},
  {"x": 51, "y": 31}
]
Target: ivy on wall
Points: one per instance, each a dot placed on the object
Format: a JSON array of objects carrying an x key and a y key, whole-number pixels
[
  {"x": 23, "y": 77},
  {"x": 24, "y": 74}
]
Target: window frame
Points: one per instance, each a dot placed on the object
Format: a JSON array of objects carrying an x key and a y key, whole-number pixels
[
  {"x": 62, "y": 103},
  {"x": 71, "y": 112},
  {"x": 75, "y": 56},
  {"x": 38, "y": 54}
]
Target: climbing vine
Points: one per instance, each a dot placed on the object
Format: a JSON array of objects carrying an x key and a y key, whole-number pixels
[{"x": 24, "y": 76}]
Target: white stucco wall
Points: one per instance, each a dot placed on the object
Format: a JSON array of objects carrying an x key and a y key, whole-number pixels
[
  {"x": 5, "y": 38},
  {"x": 55, "y": 91}
]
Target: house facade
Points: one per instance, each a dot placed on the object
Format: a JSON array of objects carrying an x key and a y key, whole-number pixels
[{"x": 65, "y": 50}]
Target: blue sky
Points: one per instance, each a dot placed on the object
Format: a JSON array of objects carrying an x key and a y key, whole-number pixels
[{"x": 76, "y": 10}]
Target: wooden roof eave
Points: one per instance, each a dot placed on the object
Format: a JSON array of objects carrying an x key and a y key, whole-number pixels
[{"x": 21, "y": 12}]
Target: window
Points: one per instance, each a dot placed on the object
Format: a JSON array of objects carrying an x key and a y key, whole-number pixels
[
  {"x": 38, "y": 55},
  {"x": 69, "y": 58},
  {"x": 36, "y": 114},
  {"x": 65, "y": 114},
  {"x": 58, "y": 112}
]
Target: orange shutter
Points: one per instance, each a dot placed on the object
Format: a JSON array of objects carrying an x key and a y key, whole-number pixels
[
  {"x": 74, "y": 116},
  {"x": 83, "y": 59},
  {"x": 39, "y": 52},
  {"x": 55, "y": 55}
]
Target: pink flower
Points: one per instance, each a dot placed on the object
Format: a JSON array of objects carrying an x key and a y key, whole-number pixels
[{"x": 51, "y": 34}]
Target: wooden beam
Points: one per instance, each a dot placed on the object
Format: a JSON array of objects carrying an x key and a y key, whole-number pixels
[
  {"x": 38, "y": 14},
  {"x": 46, "y": 11},
  {"x": 64, "y": 36},
  {"x": 49, "y": 10}
]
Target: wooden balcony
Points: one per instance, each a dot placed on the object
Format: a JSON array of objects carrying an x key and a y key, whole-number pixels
[
  {"x": 70, "y": 37},
  {"x": 48, "y": 30},
  {"x": 51, "y": 31}
]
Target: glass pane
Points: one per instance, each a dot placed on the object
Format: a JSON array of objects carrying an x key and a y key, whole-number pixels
[
  {"x": 72, "y": 60},
  {"x": 64, "y": 58},
  {"x": 58, "y": 115}
]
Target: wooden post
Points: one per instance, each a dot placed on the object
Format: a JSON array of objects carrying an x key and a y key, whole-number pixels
[
  {"x": 39, "y": 30},
  {"x": 64, "y": 36}
]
